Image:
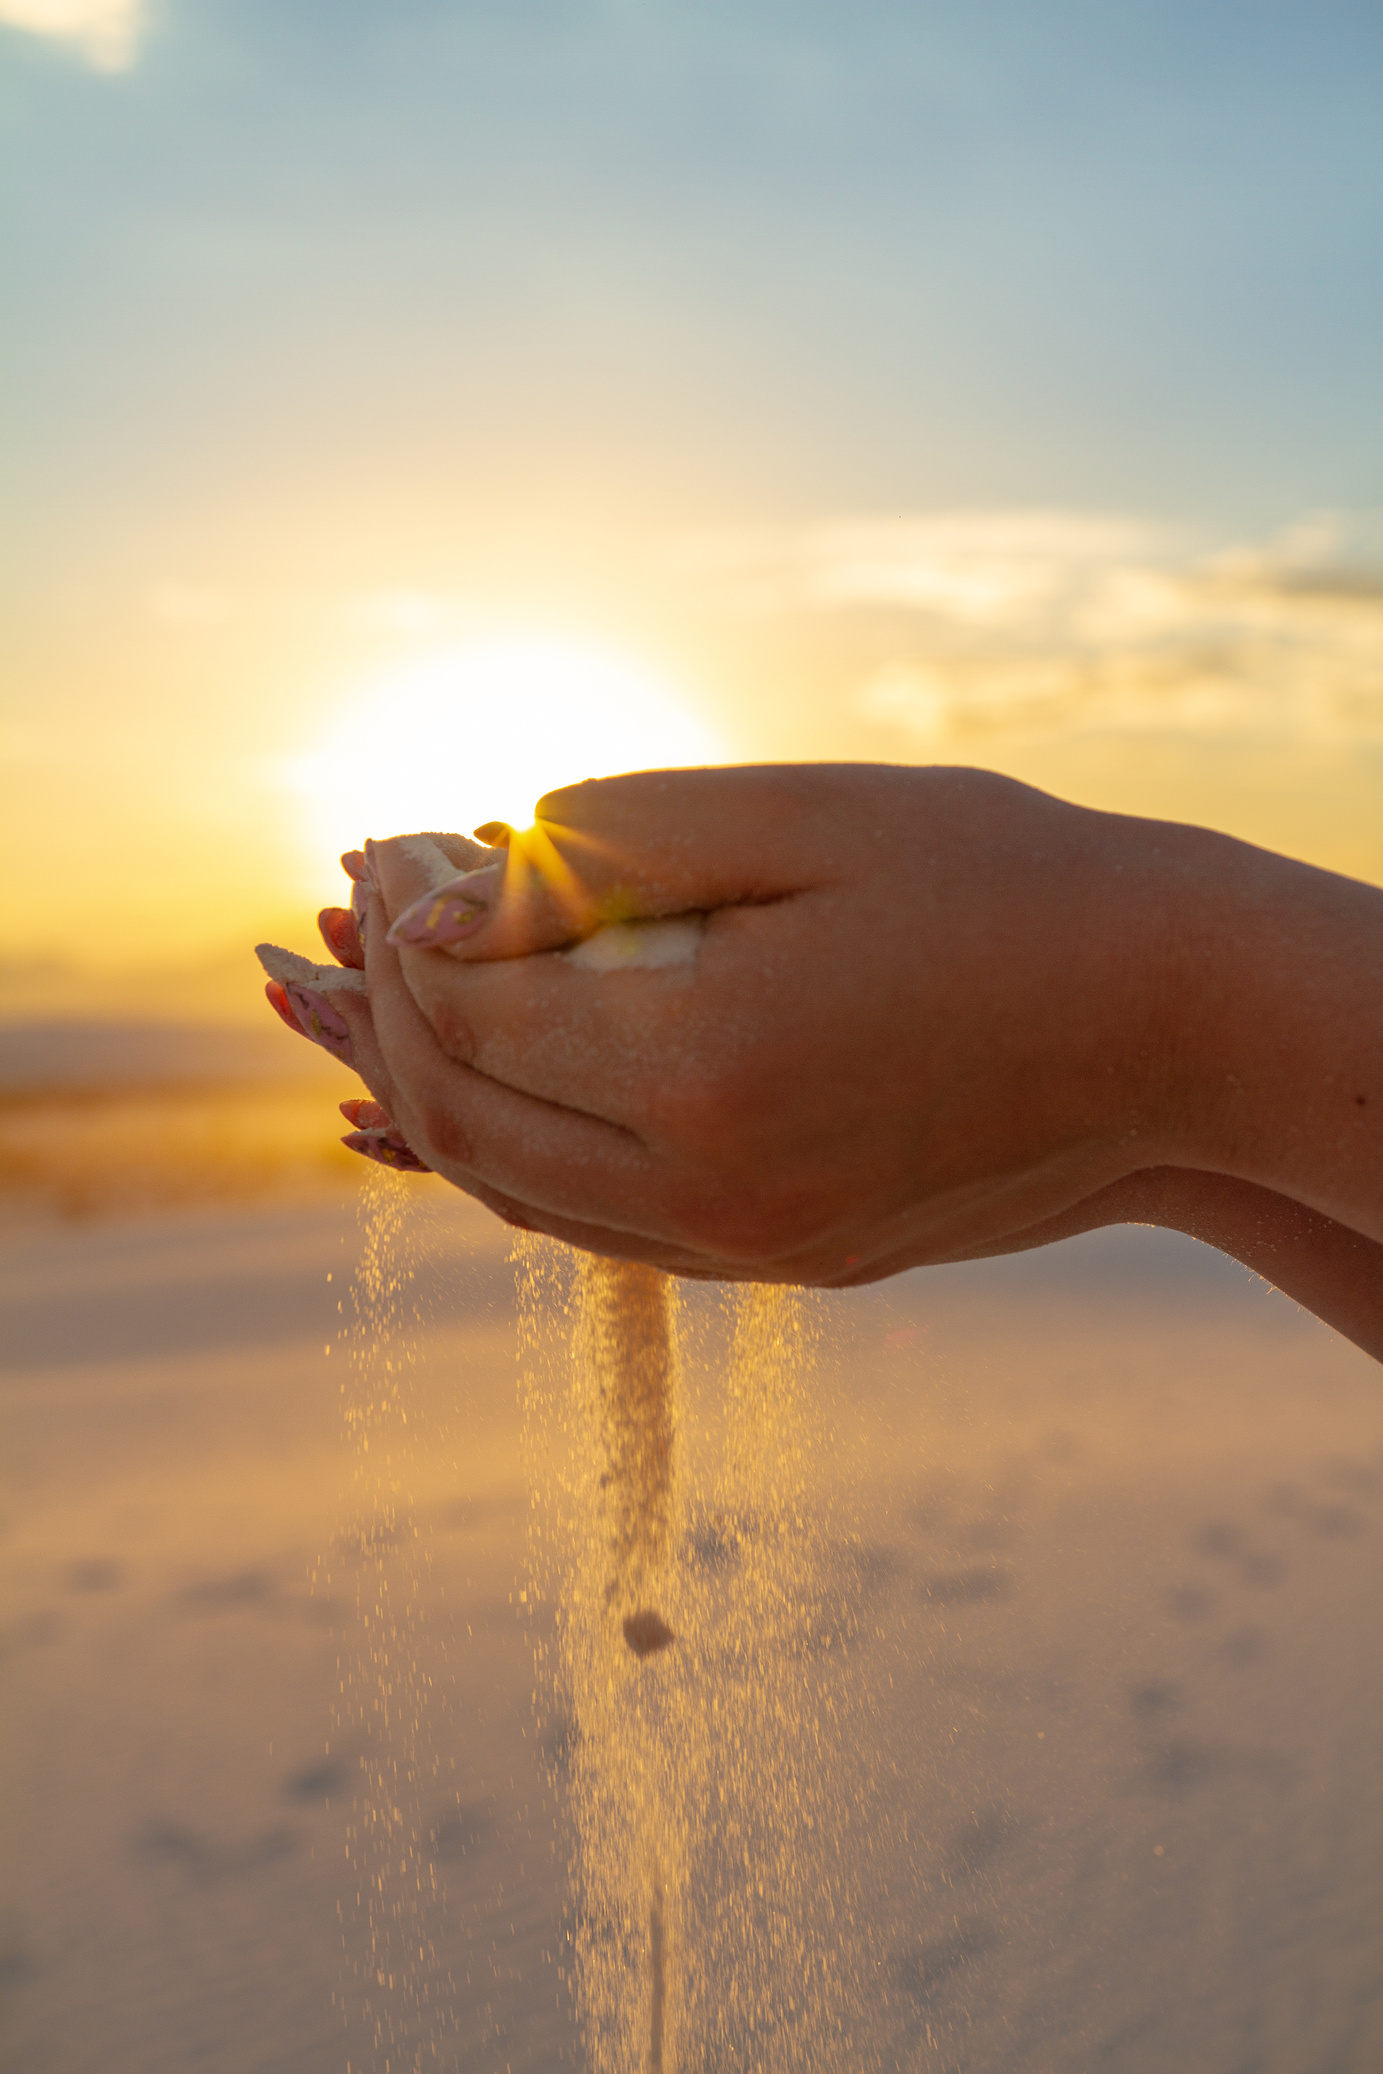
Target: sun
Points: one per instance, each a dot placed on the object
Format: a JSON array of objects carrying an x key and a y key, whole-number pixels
[{"x": 479, "y": 733}]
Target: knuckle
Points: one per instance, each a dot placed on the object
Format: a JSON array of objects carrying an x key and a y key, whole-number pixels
[
  {"x": 445, "y": 1133},
  {"x": 453, "y": 1032}
]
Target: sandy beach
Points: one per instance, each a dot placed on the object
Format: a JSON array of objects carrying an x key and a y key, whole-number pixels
[{"x": 1089, "y": 1668}]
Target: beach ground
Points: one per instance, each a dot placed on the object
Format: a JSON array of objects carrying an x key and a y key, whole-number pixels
[{"x": 1098, "y": 1533}]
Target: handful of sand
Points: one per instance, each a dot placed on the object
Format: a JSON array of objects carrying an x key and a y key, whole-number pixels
[{"x": 628, "y": 1303}]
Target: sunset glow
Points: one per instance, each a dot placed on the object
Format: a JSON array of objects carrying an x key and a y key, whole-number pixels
[{"x": 479, "y": 733}]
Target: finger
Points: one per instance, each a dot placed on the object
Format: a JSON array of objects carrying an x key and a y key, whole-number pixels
[
  {"x": 329, "y": 1006},
  {"x": 365, "y": 1116},
  {"x": 474, "y": 1130},
  {"x": 653, "y": 843},
  {"x": 601, "y": 1239},
  {"x": 371, "y": 1122},
  {"x": 618, "y": 1041},
  {"x": 342, "y": 937},
  {"x": 387, "y": 1150},
  {"x": 405, "y": 868}
]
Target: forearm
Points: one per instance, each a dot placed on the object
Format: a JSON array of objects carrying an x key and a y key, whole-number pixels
[
  {"x": 1331, "y": 1270},
  {"x": 1326, "y": 1266},
  {"x": 1273, "y": 974}
]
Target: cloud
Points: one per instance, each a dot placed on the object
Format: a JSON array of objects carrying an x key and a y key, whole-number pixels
[
  {"x": 105, "y": 31},
  {"x": 1028, "y": 622}
]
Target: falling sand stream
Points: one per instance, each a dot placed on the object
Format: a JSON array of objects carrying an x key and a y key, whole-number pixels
[
  {"x": 713, "y": 1741},
  {"x": 692, "y": 1673}
]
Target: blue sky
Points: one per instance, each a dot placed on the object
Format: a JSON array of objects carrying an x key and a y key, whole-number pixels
[{"x": 809, "y": 256}]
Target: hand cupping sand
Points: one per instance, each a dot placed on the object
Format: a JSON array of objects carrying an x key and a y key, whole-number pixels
[{"x": 442, "y": 917}]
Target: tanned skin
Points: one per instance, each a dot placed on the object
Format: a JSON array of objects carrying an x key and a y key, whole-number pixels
[{"x": 936, "y": 1015}]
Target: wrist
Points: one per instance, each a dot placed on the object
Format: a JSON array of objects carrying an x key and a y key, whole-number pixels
[{"x": 1270, "y": 1028}]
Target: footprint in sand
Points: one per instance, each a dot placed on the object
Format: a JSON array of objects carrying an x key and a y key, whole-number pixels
[
  {"x": 1182, "y": 1764},
  {"x": 989, "y": 1533},
  {"x": 1190, "y": 1602},
  {"x": 1219, "y": 1540},
  {"x": 1243, "y": 1646},
  {"x": 968, "y": 1587},
  {"x": 34, "y": 1631},
  {"x": 459, "y": 1830},
  {"x": 979, "y": 1840},
  {"x": 94, "y": 1574},
  {"x": 925, "y": 1968},
  {"x": 1263, "y": 1570},
  {"x": 16, "y": 1966},
  {"x": 228, "y": 1594},
  {"x": 1156, "y": 1698},
  {"x": 1334, "y": 1522},
  {"x": 316, "y": 1782},
  {"x": 1361, "y": 1479},
  {"x": 204, "y": 1861},
  {"x": 1224, "y": 1541}
]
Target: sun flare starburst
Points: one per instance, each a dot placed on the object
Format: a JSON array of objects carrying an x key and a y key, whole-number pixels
[{"x": 480, "y": 733}]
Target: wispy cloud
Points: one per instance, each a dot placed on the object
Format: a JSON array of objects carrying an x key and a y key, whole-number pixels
[
  {"x": 1027, "y": 622},
  {"x": 106, "y": 32}
]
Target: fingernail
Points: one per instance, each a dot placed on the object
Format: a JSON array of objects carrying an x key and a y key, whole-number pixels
[
  {"x": 380, "y": 1146},
  {"x": 340, "y": 934},
  {"x": 319, "y": 1020},
  {"x": 369, "y": 1116},
  {"x": 495, "y": 833},
  {"x": 276, "y": 994},
  {"x": 365, "y": 1115},
  {"x": 452, "y": 912}
]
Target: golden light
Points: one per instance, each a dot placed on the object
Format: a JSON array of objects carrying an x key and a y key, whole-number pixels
[{"x": 480, "y": 733}]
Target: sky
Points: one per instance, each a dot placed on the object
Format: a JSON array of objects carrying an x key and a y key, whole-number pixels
[{"x": 759, "y": 378}]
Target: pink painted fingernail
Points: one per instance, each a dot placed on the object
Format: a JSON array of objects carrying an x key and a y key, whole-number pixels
[
  {"x": 369, "y": 1116},
  {"x": 276, "y": 994},
  {"x": 452, "y": 912},
  {"x": 385, "y": 1148},
  {"x": 320, "y": 1021}
]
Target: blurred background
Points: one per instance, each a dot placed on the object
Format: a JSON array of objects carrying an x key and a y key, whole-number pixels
[
  {"x": 407, "y": 408},
  {"x": 410, "y": 406},
  {"x": 996, "y": 384}
]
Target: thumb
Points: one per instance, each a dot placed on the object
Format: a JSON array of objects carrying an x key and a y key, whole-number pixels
[{"x": 619, "y": 849}]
